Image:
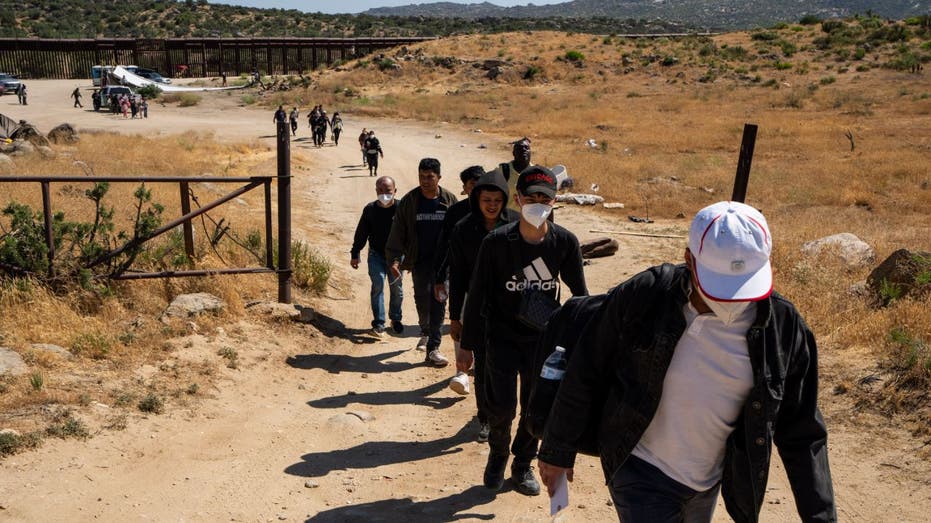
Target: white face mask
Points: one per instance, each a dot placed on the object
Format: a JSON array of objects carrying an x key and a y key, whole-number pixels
[
  {"x": 726, "y": 311},
  {"x": 535, "y": 213},
  {"x": 385, "y": 199}
]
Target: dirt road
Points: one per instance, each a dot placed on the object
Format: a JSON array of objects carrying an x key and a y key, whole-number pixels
[{"x": 325, "y": 423}]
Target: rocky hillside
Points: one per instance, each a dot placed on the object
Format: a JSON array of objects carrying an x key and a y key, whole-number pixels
[{"x": 715, "y": 14}]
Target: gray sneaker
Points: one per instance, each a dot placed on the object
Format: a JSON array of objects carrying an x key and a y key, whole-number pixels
[
  {"x": 422, "y": 343},
  {"x": 436, "y": 358}
]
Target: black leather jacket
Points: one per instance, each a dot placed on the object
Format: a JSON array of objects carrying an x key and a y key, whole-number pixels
[{"x": 618, "y": 375}]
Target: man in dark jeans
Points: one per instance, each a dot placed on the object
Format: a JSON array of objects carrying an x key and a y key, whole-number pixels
[
  {"x": 374, "y": 227},
  {"x": 691, "y": 373},
  {"x": 531, "y": 254},
  {"x": 412, "y": 245}
]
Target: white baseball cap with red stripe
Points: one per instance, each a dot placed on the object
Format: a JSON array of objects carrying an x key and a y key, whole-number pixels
[{"x": 731, "y": 244}]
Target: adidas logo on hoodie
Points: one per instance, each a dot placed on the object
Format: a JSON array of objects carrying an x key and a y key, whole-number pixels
[{"x": 536, "y": 276}]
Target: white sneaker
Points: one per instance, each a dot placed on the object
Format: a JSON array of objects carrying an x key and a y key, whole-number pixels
[
  {"x": 437, "y": 359},
  {"x": 422, "y": 343},
  {"x": 460, "y": 383}
]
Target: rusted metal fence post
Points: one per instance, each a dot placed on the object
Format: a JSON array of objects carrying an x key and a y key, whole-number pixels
[
  {"x": 284, "y": 213},
  {"x": 269, "y": 232},
  {"x": 188, "y": 227},
  {"x": 49, "y": 237},
  {"x": 743, "y": 163}
]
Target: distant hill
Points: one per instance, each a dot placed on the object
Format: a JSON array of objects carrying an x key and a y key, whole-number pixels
[
  {"x": 718, "y": 14},
  {"x": 199, "y": 18}
]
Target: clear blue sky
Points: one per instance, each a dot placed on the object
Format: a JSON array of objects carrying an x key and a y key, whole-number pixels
[{"x": 357, "y": 6}]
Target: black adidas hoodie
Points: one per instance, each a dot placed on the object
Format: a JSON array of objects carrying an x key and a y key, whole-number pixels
[{"x": 507, "y": 265}]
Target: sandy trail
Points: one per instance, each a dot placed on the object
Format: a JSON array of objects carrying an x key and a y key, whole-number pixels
[{"x": 325, "y": 423}]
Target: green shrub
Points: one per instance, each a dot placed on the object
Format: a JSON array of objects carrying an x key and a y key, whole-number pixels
[
  {"x": 152, "y": 404},
  {"x": 311, "y": 270},
  {"x": 248, "y": 99},
  {"x": 94, "y": 346},
  {"x": 782, "y": 66},
  {"x": 764, "y": 36},
  {"x": 532, "y": 72},
  {"x": 788, "y": 48},
  {"x": 574, "y": 56},
  {"x": 809, "y": 20},
  {"x": 149, "y": 91},
  {"x": 827, "y": 80},
  {"x": 387, "y": 64},
  {"x": 188, "y": 100}
]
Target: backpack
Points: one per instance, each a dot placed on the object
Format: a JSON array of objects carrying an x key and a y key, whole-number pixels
[{"x": 563, "y": 329}]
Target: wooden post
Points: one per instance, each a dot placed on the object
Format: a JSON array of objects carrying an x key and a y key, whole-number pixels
[
  {"x": 188, "y": 227},
  {"x": 49, "y": 237},
  {"x": 743, "y": 163}
]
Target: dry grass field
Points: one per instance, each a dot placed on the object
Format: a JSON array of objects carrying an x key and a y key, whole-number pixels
[{"x": 844, "y": 145}]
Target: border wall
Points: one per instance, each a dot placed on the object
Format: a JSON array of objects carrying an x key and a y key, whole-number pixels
[{"x": 74, "y": 58}]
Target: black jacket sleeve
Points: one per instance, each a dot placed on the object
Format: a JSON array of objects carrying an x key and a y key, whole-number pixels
[
  {"x": 459, "y": 272},
  {"x": 571, "y": 271},
  {"x": 363, "y": 230},
  {"x": 473, "y": 326},
  {"x": 801, "y": 435}
]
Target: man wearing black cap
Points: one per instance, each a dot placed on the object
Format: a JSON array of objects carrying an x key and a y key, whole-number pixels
[{"x": 529, "y": 255}]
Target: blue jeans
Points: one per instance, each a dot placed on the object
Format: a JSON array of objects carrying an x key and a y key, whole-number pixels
[
  {"x": 378, "y": 272},
  {"x": 430, "y": 313},
  {"x": 643, "y": 493}
]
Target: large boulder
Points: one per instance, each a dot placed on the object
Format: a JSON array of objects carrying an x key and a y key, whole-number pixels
[
  {"x": 64, "y": 133},
  {"x": 27, "y": 131},
  {"x": 187, "y": 305},
  {"x": 599, "y": 248},
  {"x": 903, "y": 273},
  {"x": 11, "y": 362},
  {"x": 22, "y": 148},
  {"x": 852, "y": 250},
  {"x": 6, "y": 164}
]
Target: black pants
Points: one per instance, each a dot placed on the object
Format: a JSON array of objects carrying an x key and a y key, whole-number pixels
[
  {"x": 479, "y": 379},
  {"x": 372, "y": 160},
  {"x": 430, "y": 313},
  {"x": 505, "y": 361}
]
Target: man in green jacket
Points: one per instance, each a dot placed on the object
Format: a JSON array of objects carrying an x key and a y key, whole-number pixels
[{"x": 412, "y": 245}]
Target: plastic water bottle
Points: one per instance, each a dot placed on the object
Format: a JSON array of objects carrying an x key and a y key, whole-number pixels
[{"x": 554, "y": 368}]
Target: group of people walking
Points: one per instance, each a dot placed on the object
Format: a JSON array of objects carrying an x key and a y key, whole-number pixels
[
  {"x": 317, "y": 120},
  {"x": 691, "y": 372}
]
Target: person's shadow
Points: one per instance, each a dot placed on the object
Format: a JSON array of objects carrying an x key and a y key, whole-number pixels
[
  {"x": 372, "y": 454},
  {"x": 337, "y": 363},
  {"x": 333, "y": 328},
  {"x": 399, "y": 397},
  {"x": 408, "y": 510}
]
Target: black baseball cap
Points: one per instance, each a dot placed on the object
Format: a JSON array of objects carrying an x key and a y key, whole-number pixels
[{"x": 537, "y": 179}]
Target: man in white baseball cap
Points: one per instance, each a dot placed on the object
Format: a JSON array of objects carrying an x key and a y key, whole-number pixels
[{"x": 693, "y": 372}]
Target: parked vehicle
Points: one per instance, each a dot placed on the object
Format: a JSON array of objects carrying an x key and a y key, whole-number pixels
[
  {"x": 115, "y": 89},
  {"x": 151, "y": 74},
  {"x": 100, "y": 71},
  {"x": 9, "y": 83}
]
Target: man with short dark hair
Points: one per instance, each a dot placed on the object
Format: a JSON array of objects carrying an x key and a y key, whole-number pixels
[
  {"x": 693, "y": 372},
  {"x": 372, "y": 148},
  {"x": 529, "y": 255},
  {"x": 280, "y": 115},
  {"x": 520, "y": 149},
  {"x": 412, "y": 246}
]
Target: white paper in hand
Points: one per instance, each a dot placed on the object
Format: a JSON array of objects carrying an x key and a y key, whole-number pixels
[{"x": 560, "y": 499}]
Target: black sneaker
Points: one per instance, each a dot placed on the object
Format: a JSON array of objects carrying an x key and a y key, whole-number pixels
[
  {"x": 494, "y": 471},
  {"x": 483, "y": 431},
  {"x": 525, "y": 482},
  {"x": 397, "y": 326}
]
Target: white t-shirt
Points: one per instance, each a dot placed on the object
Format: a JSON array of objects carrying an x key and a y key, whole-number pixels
[{"x": 705, "y": 388}]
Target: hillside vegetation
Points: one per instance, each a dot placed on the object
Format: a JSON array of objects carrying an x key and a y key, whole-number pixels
[
  {"x": 169, "y": 19},
  {"x": 714, "y": 14}
]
